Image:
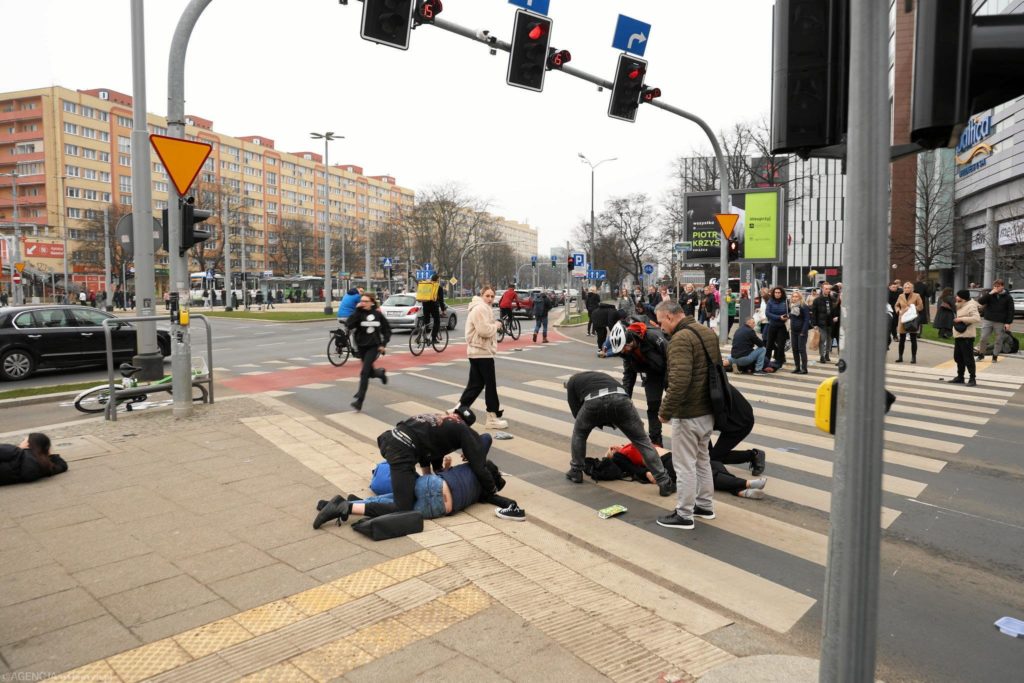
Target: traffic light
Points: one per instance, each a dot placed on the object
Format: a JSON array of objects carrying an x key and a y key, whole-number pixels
[
  {"x": 387, "y": 22},
  {"x": 963, "y": 64},
  {"x": 528, "y": 56},
  {"x": 734, "y": 250},
  {"x": 427, "y": 10},
  {"x": 558, "y": 58},
  {"x": 628, "y": 87},
  {"x": 554, "y": 261},
  {"x": 810, "y": 78},
  {"x": 571, "y": 263},
  {"x": 190, "y": 216}
]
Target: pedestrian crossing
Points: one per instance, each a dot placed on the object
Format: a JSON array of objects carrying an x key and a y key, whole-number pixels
[{"x": 763, "y": 559}]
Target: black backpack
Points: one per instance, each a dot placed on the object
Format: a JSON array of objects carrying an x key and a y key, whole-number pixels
[{"x": 603, "y": 469}]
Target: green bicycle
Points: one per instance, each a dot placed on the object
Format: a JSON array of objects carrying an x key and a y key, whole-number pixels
[{"x": 95, "y": 400}]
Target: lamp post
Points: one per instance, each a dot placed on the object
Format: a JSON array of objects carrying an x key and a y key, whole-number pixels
[
  {"x": 470, "y": 248},
  {"x": 593, "y": 167},
  {"x": 19, "y": 291},
  {"x": 327, "y": 138}
]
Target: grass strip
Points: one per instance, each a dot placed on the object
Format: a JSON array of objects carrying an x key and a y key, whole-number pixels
[
  {"x": 280, "y": 316},
  {"x": 53, "y": 389}
]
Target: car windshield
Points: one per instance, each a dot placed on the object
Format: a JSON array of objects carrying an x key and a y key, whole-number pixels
[{"x": 400, "y": 301}]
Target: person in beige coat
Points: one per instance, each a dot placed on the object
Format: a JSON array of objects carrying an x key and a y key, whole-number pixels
[
  {"x": 967, "y": 316},
  {"x": 481, "y": 348},
  {"x": 907, "y": 299}
]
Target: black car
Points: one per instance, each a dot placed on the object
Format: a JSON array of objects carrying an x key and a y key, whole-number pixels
[{"x": 61, "y": 336}]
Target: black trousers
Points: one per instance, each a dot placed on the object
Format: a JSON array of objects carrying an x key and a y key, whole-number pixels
[
  {"x": 963, "y": 354},
  {"x": 893, "y": 322},
  {"x": 654, "y": 390},
  {"x": 481, "y": 378},
  {"x": 775, "y": 343},
  {"x": 798, "y": 344},
  {"x": 369, "y": 354},
  {"x": 602, "y": 334},
  {"x": 722, "y": 478},
  {"x": 913, "y": 344},
  {"x": 403, "y": 463},
  {"x": 590, "y": 323},
  {"x": 723, "y": 449}
]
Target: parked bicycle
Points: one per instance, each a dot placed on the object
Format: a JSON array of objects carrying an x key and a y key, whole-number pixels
[
  {"x": 95, "y": 400},
  {"x": 421, "y": 336},
  {"x": 509, "y": 326},
  {"x": 340, "y": 347}
]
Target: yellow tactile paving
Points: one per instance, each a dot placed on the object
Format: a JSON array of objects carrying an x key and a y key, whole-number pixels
[
  {"x": 149, "y": 660},
  {"x": 319, "y": 599},
  {"x": 268, "y": 617},
  {"x": 96, "y": 672},
  {"x": 384, "y": 637},
  {"x": 213, "y": 637},
  {"x": 404, "y": 568},
  {"x": 429, "y": 558},
  {"x": 279, "y": 673},
  {"x": 332, "y": 660},
  {"x": 431, "y": 618},
  {"x": 469, "y": 600},
  {"x": 364, "y": 582}
]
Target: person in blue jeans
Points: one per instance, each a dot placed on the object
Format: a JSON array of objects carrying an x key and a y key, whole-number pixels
[
  {"x": 541, "y": 306},
  {"x": 748, "y": 350}
]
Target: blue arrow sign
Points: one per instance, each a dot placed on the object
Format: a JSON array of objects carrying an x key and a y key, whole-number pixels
[
  {"x": 631, "y": 35},
  {"x": 428, "y": 266},
  {"x": 648, "y": 268},
  {"x": 577, "y": 259},
  {"x": 538, "y": 6}
]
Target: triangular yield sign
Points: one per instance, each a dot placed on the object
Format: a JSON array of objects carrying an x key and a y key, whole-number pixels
[
  {"x": 183, "y": 159},
  {"x": 727, "y": 221}
]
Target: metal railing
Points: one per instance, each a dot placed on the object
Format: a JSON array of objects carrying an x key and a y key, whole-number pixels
[{"x": 110, "y": 412}]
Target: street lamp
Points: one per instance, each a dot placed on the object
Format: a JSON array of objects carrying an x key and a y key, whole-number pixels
[
  {"x": 469, "y": 248},
  {"x": 328, "y": 137},
  {"x": 19, "y": 291},
  {"x": 593, "y": 167}
]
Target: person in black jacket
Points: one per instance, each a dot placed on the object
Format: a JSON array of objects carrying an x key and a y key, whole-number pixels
[
  {"x": 996, "y": 317},
  {"x": 371, "y": 335},
  {"x": 592, "y": 301},
  {"x": 748, "y": 350},
  {"x": 824, "y": 314},
  {"x": 643, "y": 350},
  {"x": 604, "y": 317},
  {"x": 30, "y": 460},
  {"x": 893, "y": 296},
  {"x": 924, "y": 290},
  {"x": 597, "y": 400},
  {"x": 689, "y": 300}
]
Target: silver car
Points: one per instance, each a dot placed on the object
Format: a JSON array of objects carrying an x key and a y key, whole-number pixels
[
  {"x": 401, "y": 311},
  {"x": 1018, "y": 302}
]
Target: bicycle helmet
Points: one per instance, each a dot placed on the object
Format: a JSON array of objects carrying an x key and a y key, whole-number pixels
[{"x": 617, "y": 338}]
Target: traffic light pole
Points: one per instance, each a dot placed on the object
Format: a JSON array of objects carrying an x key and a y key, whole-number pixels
[
  {"x": 495, "y": 44},
  {"x": 850, "y": 622}
]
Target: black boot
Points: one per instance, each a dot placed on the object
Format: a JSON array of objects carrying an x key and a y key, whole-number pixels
[{"x": 337, "y": 508}]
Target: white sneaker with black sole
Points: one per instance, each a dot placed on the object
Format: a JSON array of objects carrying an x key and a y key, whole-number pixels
[{"x": 513, "y": 512}]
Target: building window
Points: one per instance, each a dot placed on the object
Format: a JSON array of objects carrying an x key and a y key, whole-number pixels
[
  {"x": 74, "y": 213},
  {"x": 70, "y": 107},
  {"x": 74, "y": 192},
  {"x": 126, "y": 200},
  {"x": 125, "y": 183},
  {"x": 70, "y": 128},
  {"x": 69, "y": 150},
  {"x": 160, "y": 186},
  {"x": 89, "y": 173},
  {"x": 124, "y": 121},
  {"x": 124, "y": 159},
  {"x": 124, "y": 144},
  {"x": 31, "y": 168},
  {"x": 89, "y": 153},
  {"x": 104, "y": 176}
]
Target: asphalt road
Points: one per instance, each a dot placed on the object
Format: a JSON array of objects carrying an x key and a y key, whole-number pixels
[{"x": 953, "y": 548}]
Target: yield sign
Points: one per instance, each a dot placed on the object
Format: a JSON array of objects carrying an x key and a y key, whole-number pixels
[
  {"x": 727, "y": 221},
  {"x": 182, "y": 158}
]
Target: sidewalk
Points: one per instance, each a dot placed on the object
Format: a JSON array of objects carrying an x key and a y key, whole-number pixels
[{"x": 184, "y": 550}]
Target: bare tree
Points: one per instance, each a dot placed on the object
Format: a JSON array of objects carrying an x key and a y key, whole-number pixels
[
  {"x": 90, "y": 244},
  {"x": 933, "y": 214},
  {"x": 295, "y": 247},
  {"x": 630, "y": 222}
]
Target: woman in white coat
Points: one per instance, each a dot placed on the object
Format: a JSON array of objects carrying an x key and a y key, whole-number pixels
[{"x": 481, "y": 348}]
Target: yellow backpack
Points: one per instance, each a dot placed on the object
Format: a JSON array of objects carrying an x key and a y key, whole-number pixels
[{"x": 426, "y": 290}]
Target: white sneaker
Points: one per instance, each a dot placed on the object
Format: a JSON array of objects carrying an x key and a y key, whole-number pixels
[{"x": 495, "y": 422}]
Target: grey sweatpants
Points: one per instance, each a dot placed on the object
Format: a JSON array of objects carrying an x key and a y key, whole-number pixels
[{"x": 694, "y": 480}]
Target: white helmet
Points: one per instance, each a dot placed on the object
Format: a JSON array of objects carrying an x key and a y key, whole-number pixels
[{"x": 617, "y": 338}]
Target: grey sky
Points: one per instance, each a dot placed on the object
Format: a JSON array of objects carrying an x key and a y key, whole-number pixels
[{"x": 441, "y": 110}]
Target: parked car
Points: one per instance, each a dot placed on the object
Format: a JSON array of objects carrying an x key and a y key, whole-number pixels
[
  {"x": 401, "y": 311},
  {"x": 525, "y": 309},
  {"x": 1018, "y": 302},
  {"x": 60, "y": 336}
]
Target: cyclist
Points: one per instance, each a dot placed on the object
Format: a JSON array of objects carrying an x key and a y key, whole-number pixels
[
  {"x": 346, "y": 307},
  {"x": 509, "y": 301},
  {"x": 643, "y": 349},
  {"x": 431, "y": 295}
]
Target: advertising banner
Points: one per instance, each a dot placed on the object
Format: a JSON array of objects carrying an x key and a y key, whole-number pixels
[{"x": 758, "y": 232}]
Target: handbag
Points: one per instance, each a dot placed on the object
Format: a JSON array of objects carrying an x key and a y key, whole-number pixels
[
  {"x": 960, "y": 327},
  {"x": 391, "y": 525},
  {"x": 912, "y": 326}
]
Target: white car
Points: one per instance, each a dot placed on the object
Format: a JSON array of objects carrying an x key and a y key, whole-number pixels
[
  {"x": 401, "y": 311},
  {"x": 1018, "y": 302}
]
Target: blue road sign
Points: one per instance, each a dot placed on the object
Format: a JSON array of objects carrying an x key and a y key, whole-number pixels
[
  {"x": 533, "y": 260},
  {"x": 597, "y": 274},
  {"x": 428, "y": 266},
  {"x": 577, "y": 259},
  {"x": 387, "y": 262},
  {"x": 631, "y": 35},
  {"x": 649, "y": 268},
  {"x": 538, "y": 6}
]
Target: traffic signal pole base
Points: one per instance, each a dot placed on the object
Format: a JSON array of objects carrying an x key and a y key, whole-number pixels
[
  {"x": 152, "y": 365},
  {"x": 327, "y": 309}
]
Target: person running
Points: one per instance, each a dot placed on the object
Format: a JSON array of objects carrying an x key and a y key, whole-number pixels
[
  {"x": 643, "y": 350},
  {"x": 508, "y": 303},
  {"x": 777, "y": 312},
  {"x": 541, "y": 306},
  {"x": 29, "y": 460},
  {"x": 481, "y": 348},
  {"x": 597, "y": 400},
  {"x": 967, "y": 316},
  {"x": 799, "y": 323},
  {"x": 997, "y": 317},
  {"x": 825, "y": 312},
  {"x": 372, "y": 334},
  {"x": 907, "y": 299}
]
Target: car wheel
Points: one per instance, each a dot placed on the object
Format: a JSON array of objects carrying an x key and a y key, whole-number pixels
[
  {"x": 164, "y": 345},
  {"x": 452, "y": 321},
  {"x": 17, "y": 364}
]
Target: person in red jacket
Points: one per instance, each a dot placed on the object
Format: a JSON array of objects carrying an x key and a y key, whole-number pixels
[{"x": 509, "y": 300}]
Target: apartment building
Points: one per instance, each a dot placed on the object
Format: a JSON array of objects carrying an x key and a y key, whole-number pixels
[{"x": 69, "y": 155}]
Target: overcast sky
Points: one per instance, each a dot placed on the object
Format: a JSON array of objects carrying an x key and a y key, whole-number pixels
[{"x": 439, "y": 112}]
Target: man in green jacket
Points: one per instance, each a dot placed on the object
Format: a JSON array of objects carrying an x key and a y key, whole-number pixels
[{"x": 687, "y": 405}]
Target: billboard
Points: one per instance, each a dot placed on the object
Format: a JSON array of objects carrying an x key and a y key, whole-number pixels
[{"x": 758, "y": 232}]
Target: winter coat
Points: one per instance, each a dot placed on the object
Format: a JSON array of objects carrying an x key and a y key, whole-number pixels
[
  {"x": 968, "y": 312},
  {"x": 943, "y": 319},
  {"x": 689, "y": 301},
  {"x": 998, "y": 308},
  {"x": 370, "y": 328},
  {"x": 604, "y": 315},
  {"x": 903, "y": 304},
  {"x": 19, "y": 465},
  {"x": 774, "y": 310},
  {"x": 686, "y": 393},
  {"x": 593, "y": 300},
  {"x": 348, "y": 304},
  {"x": 800, "y": 323},
  {"x": 823, "y": 309},
  {"x": 481, "y": 330}
]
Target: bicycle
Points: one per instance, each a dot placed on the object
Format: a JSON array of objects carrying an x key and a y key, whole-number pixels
[
  {"x": 95, "y": 400},
  {"x": 339, "y": 347},
  {"x": 509, "y": 326},
  {"x": 421, "y": 337}
]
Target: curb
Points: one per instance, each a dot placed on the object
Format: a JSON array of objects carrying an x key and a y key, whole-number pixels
[
  {"x": 37, "y": 399},
  {"x": 1016, "y": 356}
]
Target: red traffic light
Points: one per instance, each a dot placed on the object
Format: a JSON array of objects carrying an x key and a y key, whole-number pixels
[
  {"x": 537, "y": 31},
  {"x": 635, "y": 74}
]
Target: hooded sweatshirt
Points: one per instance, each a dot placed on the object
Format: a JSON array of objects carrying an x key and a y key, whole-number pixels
[
  {"x": 348, "y": 303},
  {"x": 481, "y": 330}
]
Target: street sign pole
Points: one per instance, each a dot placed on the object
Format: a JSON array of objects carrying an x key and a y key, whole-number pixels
[
  {"x": 148, "y": 357},
  {"x": 850, "y": 622}
]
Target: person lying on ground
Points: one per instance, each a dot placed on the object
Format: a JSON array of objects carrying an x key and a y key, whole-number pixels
[
  {"x": 30, "y": 460},
  {"x": 629, "y": 460}
]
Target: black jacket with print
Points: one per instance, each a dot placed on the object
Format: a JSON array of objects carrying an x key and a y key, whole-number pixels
[{"x": 370, "y": 327}]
